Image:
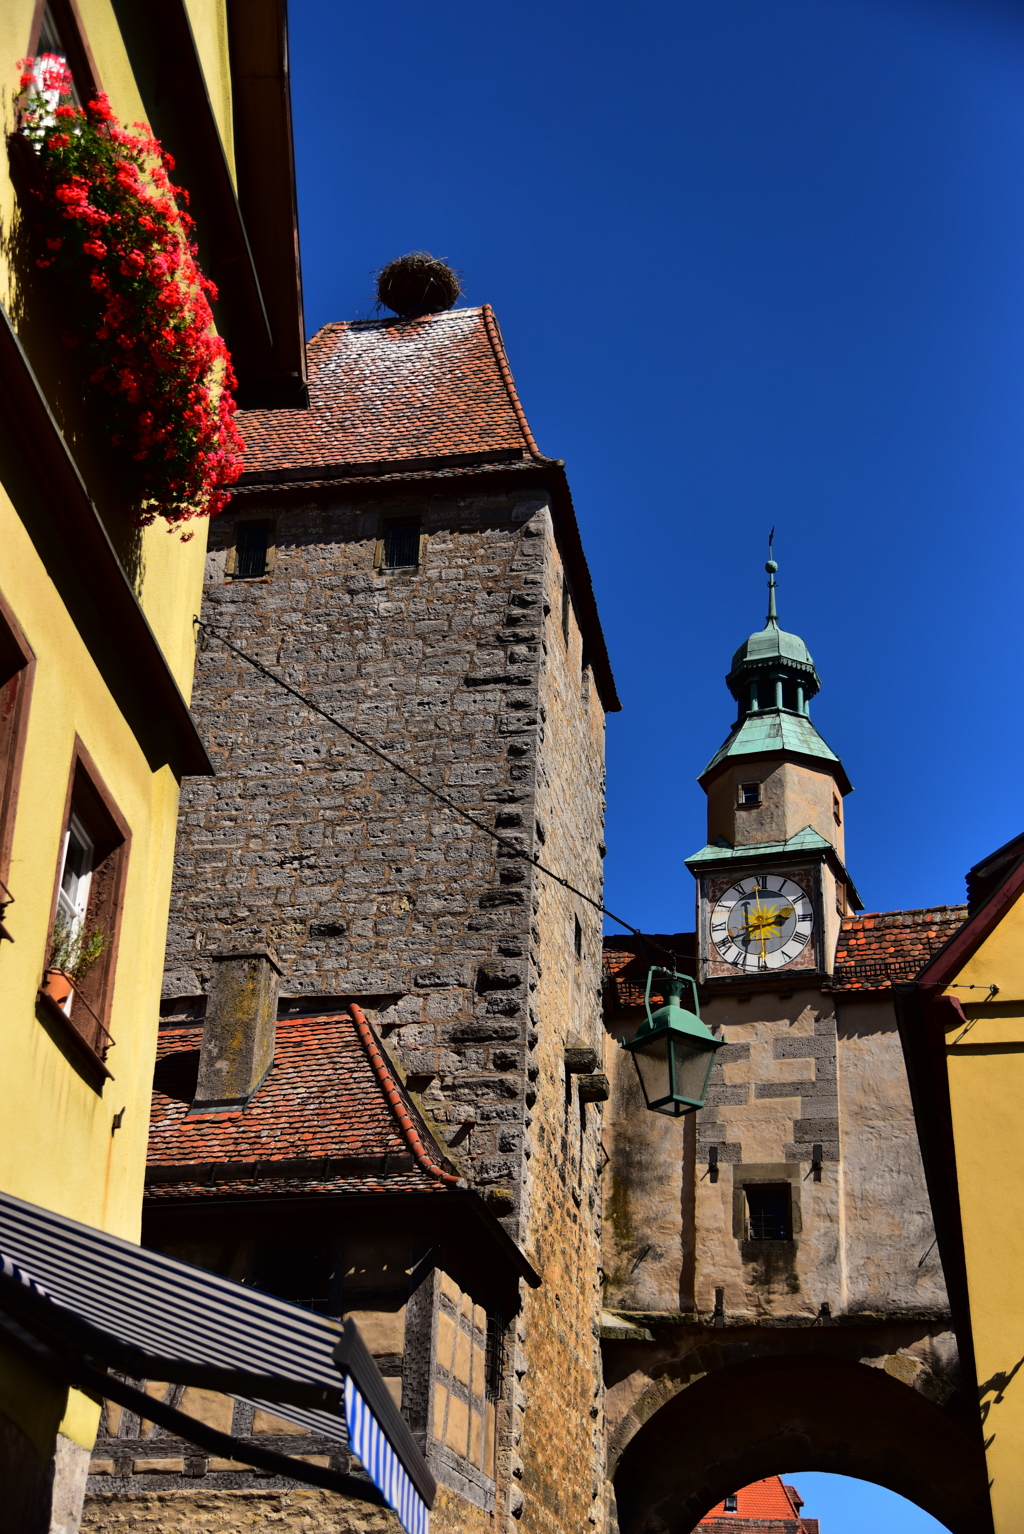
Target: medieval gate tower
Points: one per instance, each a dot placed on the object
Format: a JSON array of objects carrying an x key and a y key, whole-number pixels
[
  {"x": 402, "y": 554},
  {"x": 774, "y": 1296}
]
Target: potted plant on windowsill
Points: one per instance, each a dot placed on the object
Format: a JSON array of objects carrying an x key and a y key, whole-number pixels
[{"x": 73, "y": 952}]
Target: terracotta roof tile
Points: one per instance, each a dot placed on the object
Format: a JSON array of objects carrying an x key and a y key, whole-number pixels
[
  {"x": 627, "y": 960},
  {"x": 877, "y": 947},
  {"x": 761, "y": 1499},
  {"x": 874, "y": 948},
  {"x": 385, "y": 391},
  {"x": 321, "y": 1121}
]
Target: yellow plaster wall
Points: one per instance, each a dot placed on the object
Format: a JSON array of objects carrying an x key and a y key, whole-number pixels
[
  {"x": 986, "y": 1083},
  {"x": 59, "y": 1148},
  {"x": 209, "y": 20},
  {"x": 63, "y": 1154}
]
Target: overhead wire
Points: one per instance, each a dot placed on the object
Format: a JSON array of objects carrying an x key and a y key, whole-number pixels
[{"x": 509, "y": 847}]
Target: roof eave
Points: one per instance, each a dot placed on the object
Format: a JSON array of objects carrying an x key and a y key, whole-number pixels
[
  {"x": 781, "y": 852},
  {"x": 248, "y": 240},
  {"x": 547, "y": 472},
  {"x": 725, "y": 754}
]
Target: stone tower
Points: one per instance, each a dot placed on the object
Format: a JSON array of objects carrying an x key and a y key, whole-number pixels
[
  {"x": 773, "y": 1295},
  {"x": 404, "y": 556}
]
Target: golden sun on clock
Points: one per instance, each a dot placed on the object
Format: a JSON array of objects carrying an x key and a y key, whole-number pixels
[{"x": 762, "y": 922}]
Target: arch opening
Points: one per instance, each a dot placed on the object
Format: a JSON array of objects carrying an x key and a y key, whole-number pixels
[{"x": 760, "y": 1417}]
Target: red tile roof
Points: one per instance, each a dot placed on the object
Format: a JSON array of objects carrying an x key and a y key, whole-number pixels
[
  {"x": 328, "y": 1117},
  {"x": 761, "y": 1499},
  {"x": 877, "y": 947},
  {"x": 627, "y": 960},
  {"x": 387, "y": 391},
  {"x": 874, "y": 948}
]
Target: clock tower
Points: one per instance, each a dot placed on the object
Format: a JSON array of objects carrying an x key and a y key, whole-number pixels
[{"x": 772, "y": 884}]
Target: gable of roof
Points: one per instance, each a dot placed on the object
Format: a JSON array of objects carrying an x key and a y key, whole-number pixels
[
  {"x": 877, "y": 947},
  {"x": 397, "y": 390},
  {"x": 985, "y": 877},
  {"x": 761, "y": 1499},
  {"x": 328, "y": 1117},
  {"x": 414, "y": 400}
]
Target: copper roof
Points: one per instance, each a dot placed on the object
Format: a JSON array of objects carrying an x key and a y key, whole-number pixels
[
  {"x": 395, "y": 390},
  {"x": 328, "y": 1117}
]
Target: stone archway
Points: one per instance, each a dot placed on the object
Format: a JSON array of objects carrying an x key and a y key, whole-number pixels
[{"x": 770, "y": 1415}]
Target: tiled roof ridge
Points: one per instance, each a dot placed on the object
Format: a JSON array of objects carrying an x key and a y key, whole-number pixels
[
  {"x": 389, "y": 1087},
  {"x": 902, "y": 918},
  {"x": 501, "y": 358}
]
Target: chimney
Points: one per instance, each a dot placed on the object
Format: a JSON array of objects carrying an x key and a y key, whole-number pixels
[{"x": 239, "y": 1031}]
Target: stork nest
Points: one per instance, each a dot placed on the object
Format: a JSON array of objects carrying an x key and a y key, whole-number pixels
[{"x": 417, "y": 284}]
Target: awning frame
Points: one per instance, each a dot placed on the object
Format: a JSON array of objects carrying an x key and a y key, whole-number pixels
[{"x": 77, "y": 1372}]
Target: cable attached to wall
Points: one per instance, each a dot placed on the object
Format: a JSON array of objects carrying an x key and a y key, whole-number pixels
[{"x": 385, "y": 756}]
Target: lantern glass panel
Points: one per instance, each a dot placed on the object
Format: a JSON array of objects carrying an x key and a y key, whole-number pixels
[
  {"x": 652, "y": 1063},
  {"x": 693, "y": 1064}
]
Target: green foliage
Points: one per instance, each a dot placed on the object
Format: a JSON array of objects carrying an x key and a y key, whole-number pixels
[{"x": 74, "y": 948}]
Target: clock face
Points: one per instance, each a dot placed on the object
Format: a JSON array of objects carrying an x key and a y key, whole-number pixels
[{"x": 762, "y": 922}]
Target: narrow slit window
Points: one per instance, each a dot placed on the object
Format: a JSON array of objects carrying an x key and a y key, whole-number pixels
[
  {"x": 577, "y": 937},
  {"x": 495, "y": 1361},
  {"x": 769, "y": 1212},
  {"x": 401, "y": 544},
  {"x": 566, "y": 605},
  {"x": 252, "y": 542}
]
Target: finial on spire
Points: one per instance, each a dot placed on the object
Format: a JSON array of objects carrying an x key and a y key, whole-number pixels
[{"x": 771, "y": 568}]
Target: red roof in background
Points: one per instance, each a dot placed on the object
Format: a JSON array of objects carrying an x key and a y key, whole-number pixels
[
  {"x": 877, "y": 947},
  {"x": 320, "y": 1121},
  {"x": 627, "y": 960},
  {"x": 396, "y": 389},
  {"x": 761, "y": 1499},
  {"x": 874, "y": 948}
]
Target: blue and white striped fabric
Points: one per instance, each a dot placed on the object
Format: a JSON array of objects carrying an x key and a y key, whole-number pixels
[
  {"x": 176, "y": 1313},
  {"x": 381, "y": 1463},
  {"x": 10, "y": 1269}
]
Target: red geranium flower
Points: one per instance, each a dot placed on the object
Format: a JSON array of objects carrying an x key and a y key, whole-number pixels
[{"x": 138, "y": 304}]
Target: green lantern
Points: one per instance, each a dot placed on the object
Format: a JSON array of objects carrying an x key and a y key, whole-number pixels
[{"x": 673, "y": 1050}]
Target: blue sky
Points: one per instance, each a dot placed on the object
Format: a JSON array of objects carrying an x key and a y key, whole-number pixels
[
  {"x": 845, "y": 1506},
  {"x": 755, "y": 263}
]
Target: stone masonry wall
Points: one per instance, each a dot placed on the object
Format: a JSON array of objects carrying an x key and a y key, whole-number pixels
[
  {"x": 561, "y": 1453},
  {"x": 366, "y": 886},
  {"x": 362, "y": 883}
]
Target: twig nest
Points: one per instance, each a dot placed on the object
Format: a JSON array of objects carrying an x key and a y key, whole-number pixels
[{"x": 416, "y": 284}]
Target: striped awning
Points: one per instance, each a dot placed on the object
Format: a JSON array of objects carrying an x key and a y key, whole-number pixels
[{"x": 95, "y": 1301}]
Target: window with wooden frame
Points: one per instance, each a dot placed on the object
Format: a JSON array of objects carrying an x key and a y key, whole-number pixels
[
  {"x": 254, "y": 550},
  {"x": 17, "y": 669},
  {"x": 88, "y": 899},
  {"x": 57, "y": 32}
]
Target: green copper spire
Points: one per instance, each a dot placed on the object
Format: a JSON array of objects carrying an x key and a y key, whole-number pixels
[
  {"x": 773, "y": 670},
  {"x": 772, "y": 569},
  {"x": 773, "y": 680}
]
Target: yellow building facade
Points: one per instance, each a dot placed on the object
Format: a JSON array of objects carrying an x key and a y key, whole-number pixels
[
  {"x": 962, "y": 1027},
  {"x": 97, "y": 645}
]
